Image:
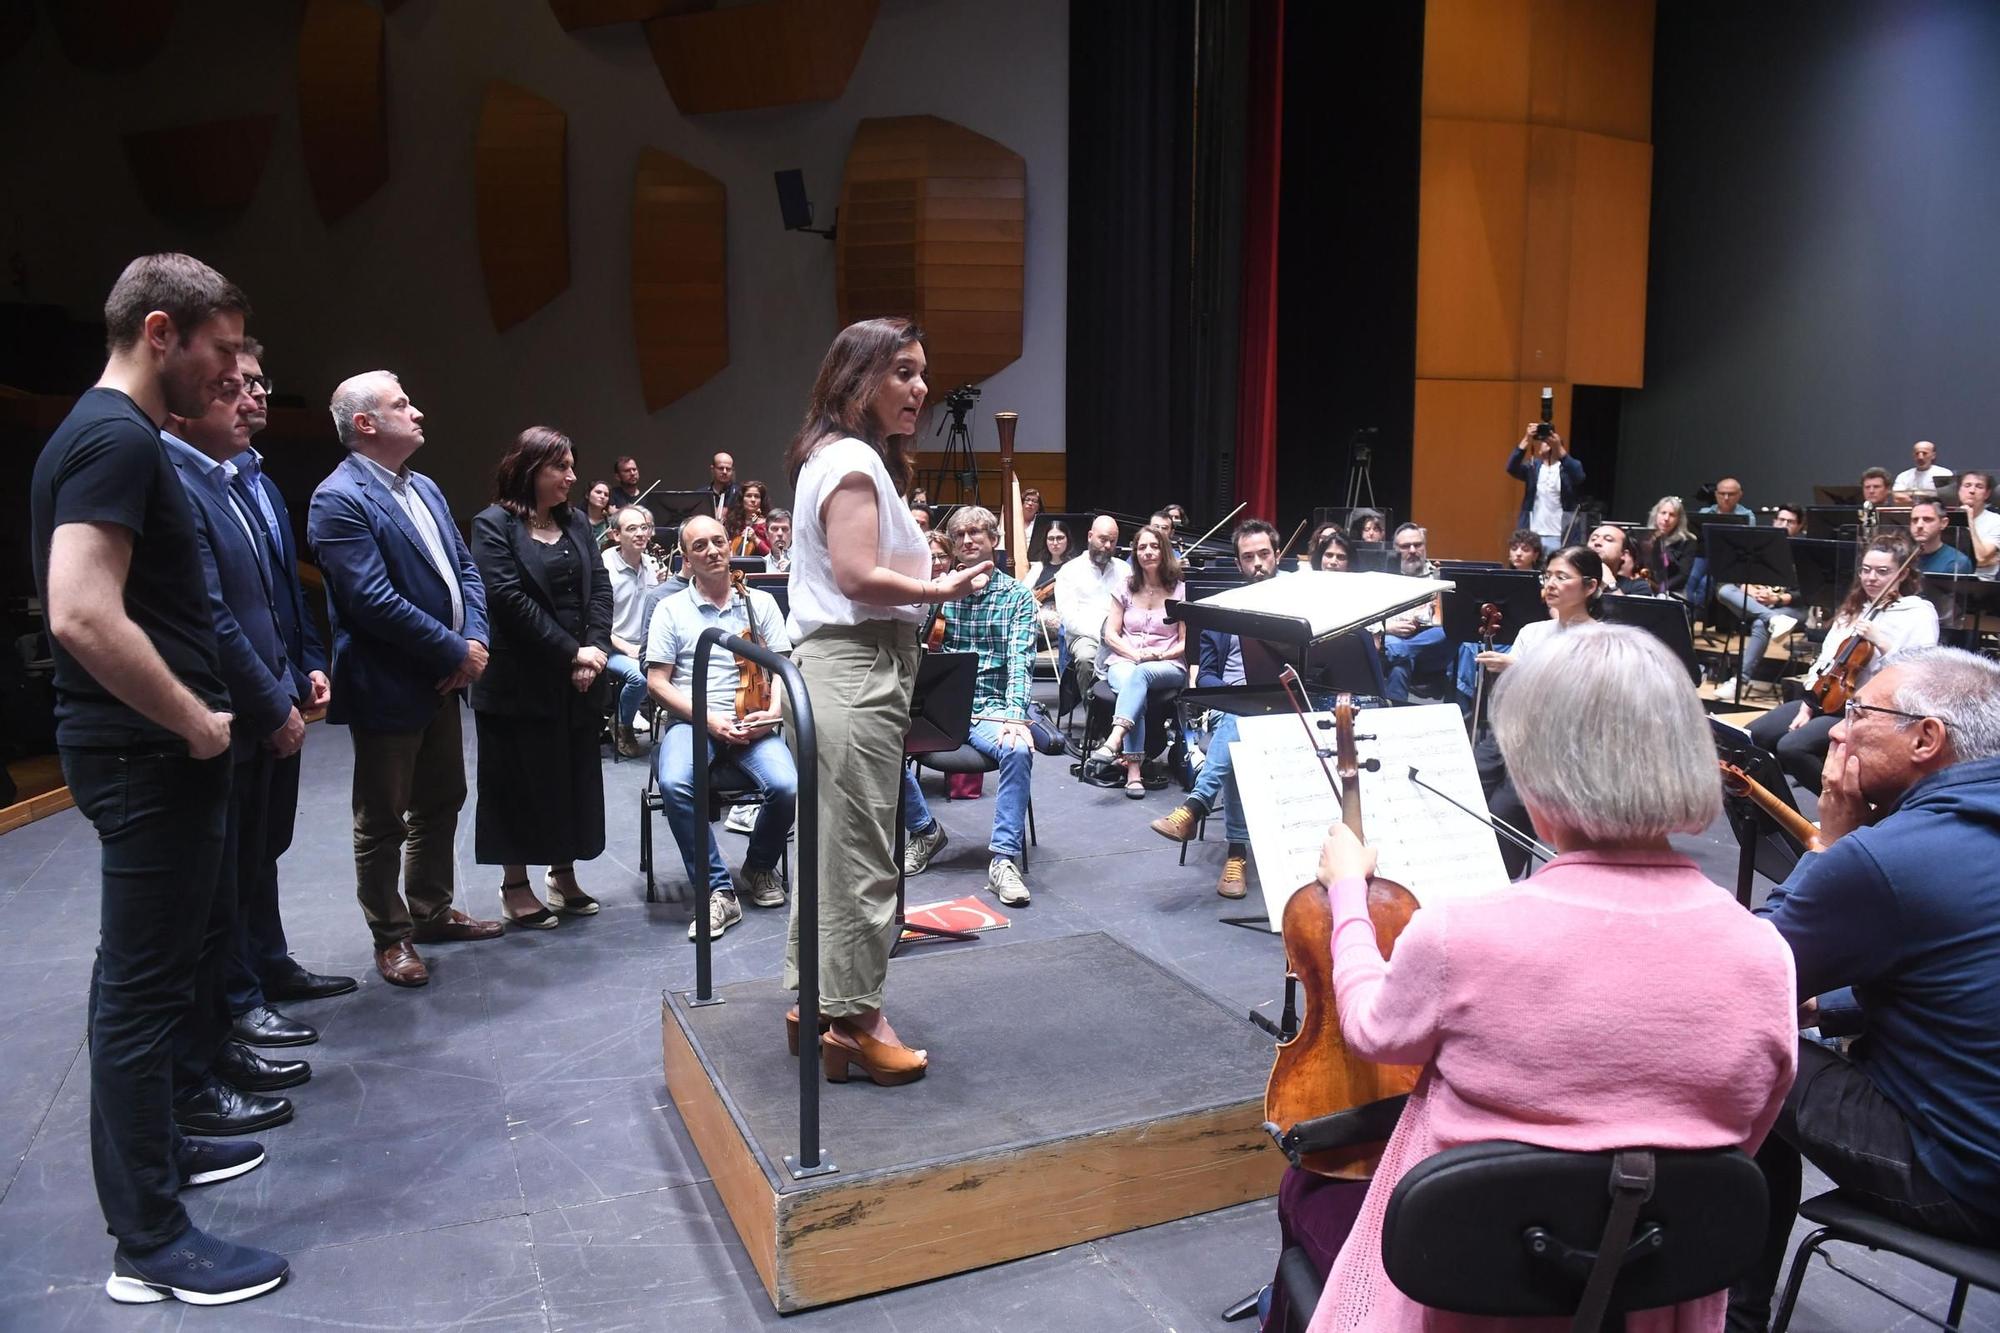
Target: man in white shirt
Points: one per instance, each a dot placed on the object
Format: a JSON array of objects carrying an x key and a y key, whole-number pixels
[
  {"x": 1974, "y": 489},
  {"x": 1084, "y": 589},
  {"x": 633, "y": 576},
  {"x": 778, "y": 530},
  {"x": 1926, "y": 476}
]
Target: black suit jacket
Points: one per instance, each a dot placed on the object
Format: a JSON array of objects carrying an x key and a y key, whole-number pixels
[
  {"x": 528, "y": 673},
  {"x": 295, "y": 622}
]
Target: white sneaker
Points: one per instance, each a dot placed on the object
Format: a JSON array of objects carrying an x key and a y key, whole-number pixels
[
  {"x": 640, "y": 722},
  {"x": 1003, "y": 877},
  {"x": 919, "y": 848},
  {"x": 742, "y": 818},
  {"x": 1725, "y": 689},
  {"x": 764, "y": 887},
  {"x": 723, "y": 912},
  {"x": 1783, "y": 625}
]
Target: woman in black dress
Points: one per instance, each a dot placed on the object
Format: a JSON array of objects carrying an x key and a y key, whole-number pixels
[{"x": 541, "y": 790}]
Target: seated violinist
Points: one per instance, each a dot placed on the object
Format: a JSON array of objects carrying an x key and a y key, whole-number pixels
[
  {"x": 1524, "y": 549},
  {"x": 1622, "y": 564},
  {"x": 1505, "y": 1000},
  {"x": 1798, "y": 733}
]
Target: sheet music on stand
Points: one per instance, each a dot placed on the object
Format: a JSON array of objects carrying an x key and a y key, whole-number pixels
[{"x": 1435, "y": 851}]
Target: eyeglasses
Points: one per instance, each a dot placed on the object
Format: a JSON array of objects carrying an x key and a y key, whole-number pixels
[
  {"x": 1854, "y": 707},
  {"x": 1409, "y": 546},
  {"x": 1558, "y": 577},
  {"x": 258, "y": 384}
]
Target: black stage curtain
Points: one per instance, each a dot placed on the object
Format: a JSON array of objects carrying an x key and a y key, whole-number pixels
[{"x": 1155, "y": 193}]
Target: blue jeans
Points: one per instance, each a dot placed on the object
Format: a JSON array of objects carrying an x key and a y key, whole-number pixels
[
  {"x": 1425, "y": 651},
  {"x": 1756, "y": 616},
  {"x": 1133, "y": 680},
  {"x": 766, "y": 762},
  {"x": 631, "y": 678},
  {"x": 1218, "y": 779},
  {"x": 1010, "y": 806}
]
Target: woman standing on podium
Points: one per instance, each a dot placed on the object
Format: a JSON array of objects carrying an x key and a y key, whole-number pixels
[{"x": 861, "y": 586}]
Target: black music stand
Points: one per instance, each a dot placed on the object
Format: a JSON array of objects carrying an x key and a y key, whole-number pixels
[
  {"x": 1745, "y": 555},
  {"x": 1517, "y": 592},
  {"x": 1665, "y": 618},
  {"x": 677, "y": 505},
  {"x": 1825, "y": 569},
  {"x": 1763, "y": 845},
  {"x": 1373, "y": 558},
  {"x": 940, "y": 721}
]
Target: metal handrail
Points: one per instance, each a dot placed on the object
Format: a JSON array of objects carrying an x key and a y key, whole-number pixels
[{"x": 810, "y": 1161}]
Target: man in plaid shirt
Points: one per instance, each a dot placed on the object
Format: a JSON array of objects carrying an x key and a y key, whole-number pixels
[{"x": 998, "y": 623}]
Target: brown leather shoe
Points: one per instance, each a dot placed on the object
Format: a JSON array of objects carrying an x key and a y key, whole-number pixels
[
  {"x": 1178, "y": 824},
  {"x": 400, "y": 966},
  {"x": 455, "y": 925},
  {"x": 1234, "y": 871}
]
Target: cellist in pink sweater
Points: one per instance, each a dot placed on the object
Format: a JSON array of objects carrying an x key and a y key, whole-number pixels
[{"x": 1617, "y": 998}]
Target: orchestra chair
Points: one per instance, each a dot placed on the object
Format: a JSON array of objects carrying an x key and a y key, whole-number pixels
[
  {"x": 1840, "y": 1218},
  {"x": 1511, "y": 1230},
  {"x": 728, "y": 785},
  {"x": 965, "y": 759}
]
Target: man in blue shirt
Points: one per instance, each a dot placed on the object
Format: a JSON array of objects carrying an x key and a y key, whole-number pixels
[
  {"x": 1927, "y": 524},
  {"x": 1902, "y": 906}
]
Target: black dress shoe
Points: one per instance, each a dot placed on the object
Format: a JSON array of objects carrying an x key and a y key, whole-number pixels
[
  {"x": 215, "y": 1110},
  {"x": 265, "y": 1026},
  {"x": 304, "y": 985},
  {"x": 243, "y": 1068}
]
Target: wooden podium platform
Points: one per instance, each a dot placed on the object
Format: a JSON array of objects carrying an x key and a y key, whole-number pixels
[{"x": 1076, "y": 1090}]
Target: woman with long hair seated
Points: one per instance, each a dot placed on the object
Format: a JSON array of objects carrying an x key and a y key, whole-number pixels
[
  {"x": 1145, "y": 652},
  {"x": 1522, "y": 1007},
  {"x": 745, "y": 525},
  {"x": 1367, "y": 525},
  {"x": 1797, "y": 733},
  {"x": 1329, "y": 549},
  {"x": 1673, "y": 544}
]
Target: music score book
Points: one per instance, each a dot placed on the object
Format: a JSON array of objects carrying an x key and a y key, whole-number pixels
[{"x": 1437, "y": 852}]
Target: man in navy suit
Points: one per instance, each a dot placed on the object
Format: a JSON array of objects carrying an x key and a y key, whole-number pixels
[
  {"x": 409, "y": 633},
  {"x": 262, "y": 970},
  {"x": 218, "y": 1082}
]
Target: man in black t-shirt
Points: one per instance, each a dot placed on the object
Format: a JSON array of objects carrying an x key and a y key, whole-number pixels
[{"x": 143, "y": 727}]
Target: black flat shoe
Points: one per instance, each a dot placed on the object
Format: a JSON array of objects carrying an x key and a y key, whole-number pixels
[
  {"x": 216, "y": 1110},
  {"x": 304, "y": 985},
  {"x": 539, "y": 919},
  {"x": 265, "y": 1026},
  {"x": 243, "y": 1068}
]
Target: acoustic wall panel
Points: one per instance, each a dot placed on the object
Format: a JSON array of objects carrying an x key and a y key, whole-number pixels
[
  {"x": 933, "y": 224},
  {"x": 201, "y": 173},
  {"x": 343, "y": 104},
  {"x": 574, "y": 14},
  {"x": 521, "y": 201},
  {"x": 112, "y": 36},
  {"x": 680, "y": 277},
  {"x": 776, "y": 53}
]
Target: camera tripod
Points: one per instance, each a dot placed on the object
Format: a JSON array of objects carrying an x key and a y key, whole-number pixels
[
  {"x": 956, "y": 465},
  {"x": 1360, "y": 450}
]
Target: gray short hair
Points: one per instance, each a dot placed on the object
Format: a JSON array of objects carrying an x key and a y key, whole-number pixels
[
  {"x": 356, "y": 394},
  {"x": 1959, "y": 689},
  {"x": 778, "y": 516},
  {"x": 1571, "y": 713},
  {"x": 972, "y": 516}
]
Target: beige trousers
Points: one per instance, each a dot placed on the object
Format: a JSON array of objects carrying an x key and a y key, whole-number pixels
[{"x": 859, "y": 678}]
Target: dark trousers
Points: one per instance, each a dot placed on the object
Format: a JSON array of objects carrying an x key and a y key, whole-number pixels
[
  {"x": 209, "y": 1016},
  {"x": 1315, "y": 1214},
  {"x": 160, "y": 821},
  {"x": 1503, "y": 803},
  {"x": 250, "y": 808},
  {"x": 408, "y": 789},
  {"x": 1836, "y": 1117},
  {"x": 263, "y": 955},
  {"x": 1801, "y": 753}
]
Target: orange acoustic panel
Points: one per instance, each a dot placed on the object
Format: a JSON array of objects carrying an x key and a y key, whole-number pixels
[
  {"x": 680, "y": 277},
  {"x": 1610, "y": 227},
  {"x": 343, "y": 104},
  {"x": 1465, "y": 431},
  {"x": 1472, "y": 231},
  {"x": 201, "y": 173},
  {"x": 775, "y": 53},
  {"x": 574, "y": 14},
  {"x": 933, "y": 224},
  {"x": 114, "y": 36},
  {"x": 521, "y": 201}
]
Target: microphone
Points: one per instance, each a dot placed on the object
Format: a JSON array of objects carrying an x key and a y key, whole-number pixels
[{"x": 1499, "y": 826}]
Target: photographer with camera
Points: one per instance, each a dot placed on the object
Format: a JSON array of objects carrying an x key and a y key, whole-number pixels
[{"x": 1549, "y": 477}]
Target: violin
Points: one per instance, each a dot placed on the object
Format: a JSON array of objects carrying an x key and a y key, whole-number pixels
[
  {"x": 1795, "y": 825},
  {"x": 934, "y": 633},
  {"x": 1313, "y": 1073},
  {"x": 1837, "y": 684},
  {"x": 1489, "y": 629}
]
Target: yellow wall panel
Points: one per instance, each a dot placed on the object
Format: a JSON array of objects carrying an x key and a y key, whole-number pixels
[
  {"x": 1471, "y": 230},
  {"x": 1609, "y": 230}
]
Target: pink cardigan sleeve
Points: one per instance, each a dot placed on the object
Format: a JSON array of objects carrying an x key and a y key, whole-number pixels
[{"x": 1389, "y": 1011}]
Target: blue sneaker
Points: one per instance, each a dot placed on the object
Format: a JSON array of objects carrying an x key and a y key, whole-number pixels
[
  {"x": 205, "y": 1161},
  {"x": 194, "y": 1267}
]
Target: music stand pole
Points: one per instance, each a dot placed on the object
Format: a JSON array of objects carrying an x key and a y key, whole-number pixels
[
  {"x": 942, "y": 732},
  {"x": 903, "y": 924}
]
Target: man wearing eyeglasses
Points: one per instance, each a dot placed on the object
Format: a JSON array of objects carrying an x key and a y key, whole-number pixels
[
  {"x": 1903, "y": 906},
  {"x": 1413, "y": 642},
  {"x": 633, "y": 576}
]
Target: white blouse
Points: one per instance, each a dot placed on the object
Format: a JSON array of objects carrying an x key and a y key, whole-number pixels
[{"x": 899, "y": 544}]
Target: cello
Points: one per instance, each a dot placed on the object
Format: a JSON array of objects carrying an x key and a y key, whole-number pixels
[
  {"x": 1313, "y": 1073},
  {"x": 1489, "y": 630}
]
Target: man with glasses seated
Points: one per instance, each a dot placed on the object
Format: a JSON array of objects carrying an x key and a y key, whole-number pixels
[
  {"x": 1902, "y": 907},
  {"x": 633, "y": 575},
  {"x": 1412, "y": 642}
]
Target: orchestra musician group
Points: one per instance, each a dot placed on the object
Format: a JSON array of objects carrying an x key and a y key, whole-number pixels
[{"x": 1615, "y": 997}]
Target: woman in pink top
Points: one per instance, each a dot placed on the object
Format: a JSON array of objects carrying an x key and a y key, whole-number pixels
[
  {"x": 1144, "y": 652},
  {"x": 1617, "y": 998}
]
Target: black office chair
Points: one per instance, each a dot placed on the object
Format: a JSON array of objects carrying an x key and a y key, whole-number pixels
[
  {"x": 1840, "y": 1218},
  {"x": 727, "y": 785}
]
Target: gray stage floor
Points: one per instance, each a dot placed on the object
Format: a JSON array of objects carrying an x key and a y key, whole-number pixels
[{"x": 495, "y": 1151}]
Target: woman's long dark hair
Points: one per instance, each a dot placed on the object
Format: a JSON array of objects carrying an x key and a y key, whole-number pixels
[
  {"x": 738, "y": 515},
  {"x": 1170, "y": 564},
  {"x": 514, "y": 480},
  {"x": 862, "y": 355},
  {"x": 1329, "y": 535},
  {"x": 1588, "y": 565},
  {"x": 1896, "y": 547}
]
